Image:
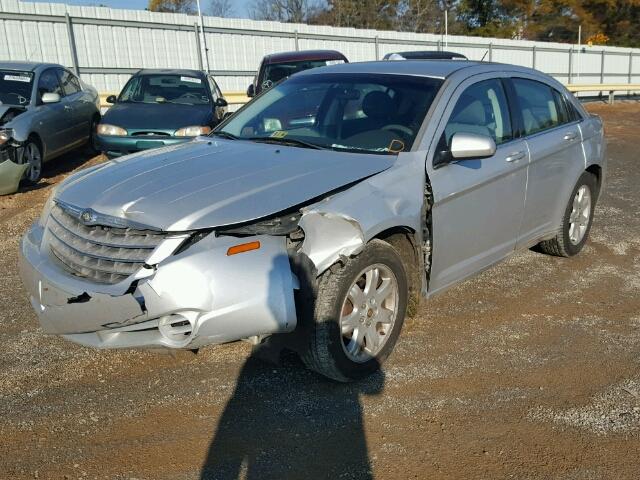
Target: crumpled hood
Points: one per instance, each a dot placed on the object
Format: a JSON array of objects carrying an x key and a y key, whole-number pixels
[
  {"x": 212, "y": 182},
  {"x": 5, "y": 108},
  {"x": 160, "y": 116}
]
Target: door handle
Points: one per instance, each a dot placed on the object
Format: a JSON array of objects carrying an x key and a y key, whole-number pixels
[
  {"x": 515, "y": 156},
  {"x": 67, "y": 107},
  {"x": 570, "y": 136}
]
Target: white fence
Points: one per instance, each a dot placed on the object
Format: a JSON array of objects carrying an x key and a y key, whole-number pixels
[{"x": 106, "y": 45}]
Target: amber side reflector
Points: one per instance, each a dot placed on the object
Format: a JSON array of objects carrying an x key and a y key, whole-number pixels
[{"x": 243, "y": 247}]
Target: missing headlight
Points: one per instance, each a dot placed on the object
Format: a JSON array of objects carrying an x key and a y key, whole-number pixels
[{"x": 280, "y": 225}]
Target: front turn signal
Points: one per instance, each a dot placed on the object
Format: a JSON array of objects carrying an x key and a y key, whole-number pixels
[{"x": 242, "y": 248}]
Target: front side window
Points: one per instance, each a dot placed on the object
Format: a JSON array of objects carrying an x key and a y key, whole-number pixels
[
  {"x": 180, "y": 89},
  {"x": 482, "y": 110},
  {"x": 369, "y": 113},
  {"x": 15, "y": 87},
  {"x": 49, "y": 83},
  {"x": 69, "y": 82},
  {"x": 539, "y": 105}
]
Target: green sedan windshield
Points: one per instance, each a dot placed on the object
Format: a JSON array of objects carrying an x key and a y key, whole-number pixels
[{"x": 181, "y": 89}]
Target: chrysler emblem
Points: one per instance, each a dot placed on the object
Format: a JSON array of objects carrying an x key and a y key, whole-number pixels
[{"x": 87, "y": 216}]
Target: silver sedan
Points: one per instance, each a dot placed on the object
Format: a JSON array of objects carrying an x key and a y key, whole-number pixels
[
  {"x": 318, "y": 211},
  {"x": 45, "y": 111}
]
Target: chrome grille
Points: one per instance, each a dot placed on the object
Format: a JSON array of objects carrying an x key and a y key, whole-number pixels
[{"x": 100, "y": 253}]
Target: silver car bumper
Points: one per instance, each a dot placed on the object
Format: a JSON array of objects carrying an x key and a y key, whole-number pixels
[{"x": 198, "y": 297}]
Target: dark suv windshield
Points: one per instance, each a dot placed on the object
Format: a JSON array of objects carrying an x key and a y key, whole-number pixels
[
  {"x": 369, "y": 113},
  {"x": 275, "y": 72},
  {"x": 182, "y": 89},
  {"x": 15, "y": 87}
]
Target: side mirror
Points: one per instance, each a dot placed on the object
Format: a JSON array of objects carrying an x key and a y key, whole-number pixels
[
  {"x": 111, "y": 99},
  {"x": 221, "y": 102},
  {"x": 251, "y": 91},
  {"x": 471, "y": 145},
  {"x": 50, "y": 97}
]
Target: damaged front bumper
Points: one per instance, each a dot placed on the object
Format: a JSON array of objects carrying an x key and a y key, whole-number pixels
[
  {"x": 10, "y": 172},
  {"x": 197, "y": 297}
]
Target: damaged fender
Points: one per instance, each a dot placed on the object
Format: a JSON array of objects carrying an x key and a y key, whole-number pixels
[
  {"x": 10, "y": 175},
  {"x": 341, "y": 225},
  {"x": 328, "y": 237}
]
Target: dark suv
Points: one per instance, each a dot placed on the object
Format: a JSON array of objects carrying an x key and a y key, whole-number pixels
[{"x": 279, "y": 66}]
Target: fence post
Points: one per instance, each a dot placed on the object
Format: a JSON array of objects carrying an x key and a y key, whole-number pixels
[
  {"x": 295, "y": 36},
  {"x": 72, "y": 44},
  {"x": 570, "y": 64},
  {"x": 602, "y": 66},
  {"x": 490, "y": 52},
  {"x": 198, "y": 46},
  {"x": 377, "y": 42},
  {"x": 533, "y": 57},
  {"x": 630, "y": 66}
]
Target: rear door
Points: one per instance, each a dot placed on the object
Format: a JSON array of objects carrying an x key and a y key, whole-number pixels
[
  {"x": 554, "y": 140},
  {"x": 478, "y": 203}
]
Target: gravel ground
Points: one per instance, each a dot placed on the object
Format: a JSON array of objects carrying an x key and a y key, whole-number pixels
[{"x": 528, "y": 371}]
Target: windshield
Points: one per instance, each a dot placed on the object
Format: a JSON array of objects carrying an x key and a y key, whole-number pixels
[
  {"x": 275, "y": 72},
  {"x": 15, "y": 87},
  {"x": 181, "y": 89},
  {"x": 366, "y": 113}
]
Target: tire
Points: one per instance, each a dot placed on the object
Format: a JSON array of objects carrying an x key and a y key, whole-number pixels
[
  {"x": 32, "y": 154},
  {"x": 92, "y": 144},
  {"x": 345, "y": 356},
  {"x": 572, "y": 235}
]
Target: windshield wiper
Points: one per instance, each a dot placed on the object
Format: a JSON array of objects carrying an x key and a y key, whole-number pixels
[
  {"x": 294, "y": 142},
  {"x": 223, "y": 134}
]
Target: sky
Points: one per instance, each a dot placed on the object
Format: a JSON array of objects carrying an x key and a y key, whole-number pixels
[{"x": 240, "y": 6}]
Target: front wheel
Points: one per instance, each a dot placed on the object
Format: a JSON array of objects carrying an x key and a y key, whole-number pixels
[
  {"x": 32, "y": 156},
  {"x": 358, "y": 314},
  {"x": 576, "y": 221}
]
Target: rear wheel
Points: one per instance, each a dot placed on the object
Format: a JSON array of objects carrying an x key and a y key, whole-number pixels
[
  {"x": 576, "y": 221},
  {"x": 359, "y": 312},
  {"x": 32, "y": 156}
]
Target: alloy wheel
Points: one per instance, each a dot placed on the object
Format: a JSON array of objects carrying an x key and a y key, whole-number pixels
[
  {"x": 580, "y": 215},
  {"x": 369, "y": 312}
]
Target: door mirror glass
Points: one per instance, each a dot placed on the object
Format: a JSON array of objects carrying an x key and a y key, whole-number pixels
[
  {"x": 221, "y": 102},
  {"x": 471, "y": 145},
  {"x": 50, "y": 97},
  {"x": 111, "y": 99},
  {"x": 251, "y": 91}
]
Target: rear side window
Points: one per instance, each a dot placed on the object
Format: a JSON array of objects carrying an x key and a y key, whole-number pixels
[
  {"x": 482, "y": 109},
  {"x": 48, "y": 83},
  {"x": 542, "y": 106},
  {"x": 69, "y": 82}
]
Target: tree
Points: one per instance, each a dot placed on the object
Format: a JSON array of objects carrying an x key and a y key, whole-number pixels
[
  {"x": 220, "y": 8},
  {"x": 292, "y": 11},
  {"x": 172, "y": 6}
]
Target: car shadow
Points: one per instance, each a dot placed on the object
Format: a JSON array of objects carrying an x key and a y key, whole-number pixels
[
  {"x": 286, "y": 422},
  {"x": 290, "y": 423},
  {"x": 69, "y": 162}
]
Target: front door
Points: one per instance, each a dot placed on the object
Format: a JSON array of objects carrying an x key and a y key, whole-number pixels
[{"x": 478, "y": 204}]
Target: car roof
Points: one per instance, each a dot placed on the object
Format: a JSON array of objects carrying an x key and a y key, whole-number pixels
[
  {"x": 304, "y": 55},
  {"x": 422, "y": 68},
  {"x": 26, "y": 66},
  {"x": 170, "y": 71}
]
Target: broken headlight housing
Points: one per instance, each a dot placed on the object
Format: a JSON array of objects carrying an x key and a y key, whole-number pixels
[
  {"x": 6, "y": 134},
  {"x": 280, "y": 225}
]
